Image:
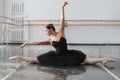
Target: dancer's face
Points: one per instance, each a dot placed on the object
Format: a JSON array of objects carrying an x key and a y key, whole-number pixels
[{"x": 48, "y": 31}]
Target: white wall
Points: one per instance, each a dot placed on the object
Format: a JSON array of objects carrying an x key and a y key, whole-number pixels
[
  {"x": 5, "y": 7},
  {"x": 1, "y": 7},
  {"x": 77, "y": 9},
  {"x": 1, "y": 13}
]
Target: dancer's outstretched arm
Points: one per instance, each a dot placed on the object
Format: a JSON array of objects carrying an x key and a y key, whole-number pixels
[{"x": 35, "y": 43}]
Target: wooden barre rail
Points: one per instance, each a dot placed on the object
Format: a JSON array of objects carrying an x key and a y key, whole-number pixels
[
  {"x": 9, "y": 19},
  {"x": 59, "y": 20},
  {"x": 6, "y": 22},
  {"x": 32, "y": 22},
  {"x": 74, "y": 25},
  {"x": 11, "y": 24},
  {"x": 72, "y": 20}
]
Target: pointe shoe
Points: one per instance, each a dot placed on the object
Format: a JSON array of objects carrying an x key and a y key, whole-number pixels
[
  {"x": 17, "y": 57},
  {"x": 105, "y": 60}
]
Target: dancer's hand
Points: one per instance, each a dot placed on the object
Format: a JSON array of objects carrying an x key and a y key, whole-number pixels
[
  {"x": 65, "y": 3},
  {"x": 23, "y": 45}
]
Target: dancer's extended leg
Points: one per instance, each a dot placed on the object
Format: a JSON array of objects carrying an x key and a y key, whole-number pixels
[
  {"x": 97, "y": 60},
  {"x": 27, "y": 59}
]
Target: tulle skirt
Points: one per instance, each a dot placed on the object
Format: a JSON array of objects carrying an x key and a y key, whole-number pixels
[{"x": 69, "y": 58}]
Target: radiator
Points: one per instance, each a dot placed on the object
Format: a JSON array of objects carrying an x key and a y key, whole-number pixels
[
  {"x": 16, "y": 35},
  {"x": 16, "y": 32},
  {"x": 0, "y": 34}
]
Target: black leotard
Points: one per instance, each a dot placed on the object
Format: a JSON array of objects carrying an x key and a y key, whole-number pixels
[{"x": 62, "y": 56}]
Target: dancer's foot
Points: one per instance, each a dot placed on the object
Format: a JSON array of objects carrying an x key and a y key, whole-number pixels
[
  {"x": 105, "y": 60},
  {"x": 17, "y": 57}
]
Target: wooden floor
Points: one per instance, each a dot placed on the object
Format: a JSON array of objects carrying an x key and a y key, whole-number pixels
[{"x": 13, "y": 70}]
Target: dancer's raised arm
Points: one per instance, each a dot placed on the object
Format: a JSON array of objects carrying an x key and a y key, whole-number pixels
[{"x": 62, "y": 18}]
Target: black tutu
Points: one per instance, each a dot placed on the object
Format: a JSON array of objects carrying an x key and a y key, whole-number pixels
[{"x": 62, "y": 56}]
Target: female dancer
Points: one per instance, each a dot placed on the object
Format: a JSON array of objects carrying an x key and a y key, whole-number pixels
[{"x": 62, "y": 56}]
